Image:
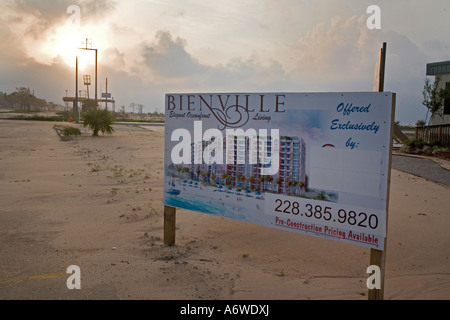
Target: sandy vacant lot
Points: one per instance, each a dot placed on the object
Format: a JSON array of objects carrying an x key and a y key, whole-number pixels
[{"x": 96, "y": 202}]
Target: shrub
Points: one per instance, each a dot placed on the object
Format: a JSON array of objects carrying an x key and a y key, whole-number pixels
[
  {"x": 99, "y": 120},
  {"x": 416, "y": 143},
  {"x": 71, "y": 131},
  {"x": 420, "y": 123},
  {"x": 435, "y": 143}
]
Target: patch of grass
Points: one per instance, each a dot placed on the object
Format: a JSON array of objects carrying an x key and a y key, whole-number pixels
[
  {"x": 71, "y": 131},
  {"x": 66, "y": 132},
  {"x": 37, "y": 118}
]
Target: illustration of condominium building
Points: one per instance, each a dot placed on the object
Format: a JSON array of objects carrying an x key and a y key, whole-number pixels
[{"x": 243, "y": 164}]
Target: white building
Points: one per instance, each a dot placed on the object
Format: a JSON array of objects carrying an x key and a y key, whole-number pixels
[{"x": 441, "y": 70}]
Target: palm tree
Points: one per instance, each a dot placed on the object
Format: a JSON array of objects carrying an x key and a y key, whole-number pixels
[
  {"x": 224, "y": 177},
  {"x": 251, "y": 182},
  {"x": 205, "y": 175},
  {"x": 228, "y": 180},
  {"x": 301, "y": 186},
  {"x": 240, "y": 178},
  {"x": 261, "y": 183},
  {"x": 99, "y": 120},
  {"x": 290, "y": 183}
]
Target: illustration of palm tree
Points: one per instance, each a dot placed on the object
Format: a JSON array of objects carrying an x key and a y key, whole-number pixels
[
  {"x": 228, "y": 180},
  {"x": 224, "y": 177},
  {"x": 203, "y": 175},
  {"x": 251, "y": 182},
  {"x": 290, "y": 184},
  {"x": 261, "y": 183},
  {"x": 240, "y": 178},
  {"x": 303, "y": 186}
]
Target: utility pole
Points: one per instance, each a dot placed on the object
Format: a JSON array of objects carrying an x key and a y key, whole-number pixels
[
  {"x": 106, "y": 106},
  {"x": 86, "y": 48},
  {"x": 76, "y": 86}
]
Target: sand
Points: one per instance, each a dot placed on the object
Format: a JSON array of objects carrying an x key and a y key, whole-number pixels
[{"x": 96, "y": 202}]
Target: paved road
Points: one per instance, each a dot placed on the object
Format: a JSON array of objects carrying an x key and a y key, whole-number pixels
[{"x": 425, "y": 168}]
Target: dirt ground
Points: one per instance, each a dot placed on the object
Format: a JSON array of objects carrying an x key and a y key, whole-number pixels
[{"x": 97, "y": 202}]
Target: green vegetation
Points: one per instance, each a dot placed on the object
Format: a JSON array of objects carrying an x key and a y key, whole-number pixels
[
  {"x": 37, "y": 118},
  {"x": 415, "y": 143},
  {"x": 71, "y": 131},
  {"x": 99, "y": 120},
  {"x": 433, "y": 97},
  {"x": 420, "y": 123},
  {"x": 421, "y": 147},
  {"x": 420, "y": 143},
  {"x": 66, "y": 132}
]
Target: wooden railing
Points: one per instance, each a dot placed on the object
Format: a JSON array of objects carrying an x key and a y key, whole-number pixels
[{"x": 436, "y": 132}]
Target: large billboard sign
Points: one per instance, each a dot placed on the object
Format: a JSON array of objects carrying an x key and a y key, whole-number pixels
[{"x": 313, "y": 163}]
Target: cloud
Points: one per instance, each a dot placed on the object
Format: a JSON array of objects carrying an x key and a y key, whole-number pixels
[
  {"x": 247, "y": 74},
  {"x": 114, "y": 58},
  {"x": 344, "y": 49},
  {"x": 167, "y": 57}
]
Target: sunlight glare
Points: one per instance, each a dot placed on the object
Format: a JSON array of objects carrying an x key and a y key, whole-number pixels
[{"x": 66, "y": 46}]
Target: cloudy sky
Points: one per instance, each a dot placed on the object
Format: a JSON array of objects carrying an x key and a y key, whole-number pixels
[{"x": 147, "y": 48}]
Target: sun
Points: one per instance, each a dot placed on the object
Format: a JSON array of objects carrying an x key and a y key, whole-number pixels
[
  {"x": 63, "y": 45},
  {"x": 67, "y": 48}
]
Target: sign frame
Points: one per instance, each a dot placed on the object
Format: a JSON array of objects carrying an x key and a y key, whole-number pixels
[{"x": 326, "y": 165}]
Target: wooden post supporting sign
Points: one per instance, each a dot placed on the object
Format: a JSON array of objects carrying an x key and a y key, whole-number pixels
[
  {"x": 169, "y": 225},
  {"x": 378, "y": 257}
]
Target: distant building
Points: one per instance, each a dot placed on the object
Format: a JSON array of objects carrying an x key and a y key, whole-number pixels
[{"x": 441, "y": 70}]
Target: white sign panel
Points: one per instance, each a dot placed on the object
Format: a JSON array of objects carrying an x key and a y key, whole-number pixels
[{"x": 313, "y": 163}]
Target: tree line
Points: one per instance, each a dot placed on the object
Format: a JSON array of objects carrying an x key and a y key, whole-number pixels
[{"x": 24, "y": 99}]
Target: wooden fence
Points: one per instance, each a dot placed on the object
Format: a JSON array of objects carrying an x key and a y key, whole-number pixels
[{"x": 437, "y": 132}]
